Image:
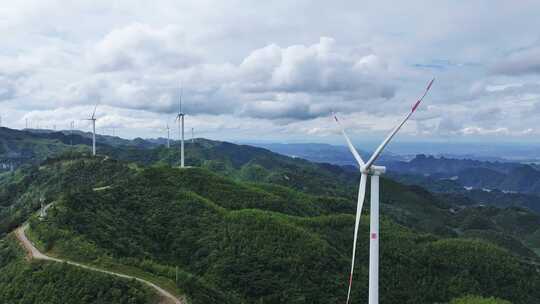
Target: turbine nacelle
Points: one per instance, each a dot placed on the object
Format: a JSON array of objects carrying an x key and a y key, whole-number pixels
[{"x": 372, "y": 170}]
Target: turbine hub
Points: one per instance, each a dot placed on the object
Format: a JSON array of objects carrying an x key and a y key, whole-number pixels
[{"x": 373, "y": 170}]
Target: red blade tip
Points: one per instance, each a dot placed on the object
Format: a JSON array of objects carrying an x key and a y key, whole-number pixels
[
  {"x": 416, "y": 105},
  {"x": 430, "y": 83}
]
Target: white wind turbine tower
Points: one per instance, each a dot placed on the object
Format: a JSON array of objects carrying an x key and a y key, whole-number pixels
[
  {"x": 369, "y": 169},
  {"x": 168, "y": 136},
  {"x": 71, "y": 127},
  {"x": 180, "y": 119},
  {"x": 93, "y": 119}
]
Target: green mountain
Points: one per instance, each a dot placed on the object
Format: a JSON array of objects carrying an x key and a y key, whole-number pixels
[
  {"x": 22, "y": 147},
  {"x": 31, "y": 146},
  {"x": 243, "y": 242},
  {"x": 245, "y": 225}
]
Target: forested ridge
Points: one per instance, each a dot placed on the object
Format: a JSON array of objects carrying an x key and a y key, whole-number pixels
[{"x": 237, "y": 239}]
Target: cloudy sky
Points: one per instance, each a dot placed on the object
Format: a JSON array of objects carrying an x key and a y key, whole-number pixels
[{"x": 274, "y": 70}]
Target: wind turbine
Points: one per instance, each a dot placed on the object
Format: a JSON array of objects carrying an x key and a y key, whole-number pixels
[
  {"x": 71, "y": 127},
  {"x": 373, "y": 171},
  {"x": 93, "y": 119},
  {"x": 168, "y": 136},
  {"x": 42, "y": 207},
  {"x": 180, "y": 119}
]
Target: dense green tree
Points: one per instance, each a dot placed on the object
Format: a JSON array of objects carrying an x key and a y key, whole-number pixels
[
  {"x": 478, "y": 300},
  {"x": 50, "y": 282}
]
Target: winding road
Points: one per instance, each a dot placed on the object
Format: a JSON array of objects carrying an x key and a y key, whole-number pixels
[{"x": 33, "y": 252}]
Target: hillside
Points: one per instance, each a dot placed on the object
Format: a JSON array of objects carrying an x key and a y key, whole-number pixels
[
  {"x": 247, "y": 224},
  {"x": 409, "y": 206},
  {"x": 45, "y": 282},
  {"x": 238, "y": 161},
  {"x": 31, "y": 146},
  {"x": 103, "y": 139},
  {"x": 258, "y": 164},
  {"x": 240, "y": 242},
  {"x": 22, "y": 147}
]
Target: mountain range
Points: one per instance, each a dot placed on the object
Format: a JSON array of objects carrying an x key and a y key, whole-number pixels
[
  {"x": 322, "y": 153},
  {"x": 509, "y": 177},
  {"x": 244, "y": 225}
]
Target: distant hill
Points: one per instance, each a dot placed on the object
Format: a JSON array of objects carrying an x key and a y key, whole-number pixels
[
  {"x": 447, "y": 167},
  {"x": 522, "y": 179},
  {"x": 20, "y": 147},
  {"x": 503, "y": 176},
  {"x": 454, "y": 193},
  {"x": 322, "y": 153},
  {"x": 109, "y": 140},
  {"x": 260, "y": 165}
]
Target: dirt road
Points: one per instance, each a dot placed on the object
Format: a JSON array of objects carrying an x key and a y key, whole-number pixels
[{"x": 34, "y": 253}]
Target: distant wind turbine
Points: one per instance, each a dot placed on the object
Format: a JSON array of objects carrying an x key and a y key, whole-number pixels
[
  {"x": 93, "y": 120},
  {"x": 180, "y": 119},
  {"x": 369, "y": 169},
  {"x": 71, "y": 127},
  {"x": 42, "y": 207},
  {"x": 168, "y": 136}
]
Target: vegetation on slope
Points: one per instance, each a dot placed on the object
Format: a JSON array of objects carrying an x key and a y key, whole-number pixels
[
  {"x": 276, "y": 230},
  {"x": 478, "y": 300},
  {"x": 49, "y": 282},
  {"x": 244, "y": 243},
  {"x": 21, "y": 192}
]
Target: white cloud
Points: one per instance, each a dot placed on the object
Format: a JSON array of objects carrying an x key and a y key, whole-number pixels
[
  {"x": 140, "y": 46},
  {"x": 263, "y": 65},
  {"x": 521, "y": 62},
  {"x": 319, "y": 68}
]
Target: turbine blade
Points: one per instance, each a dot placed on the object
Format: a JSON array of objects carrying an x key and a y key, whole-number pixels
[
  {"x": 359, "y": 205},
  {"x": 354, "y": 152},
  {"x": 379, "y": 149},
  {"x": 181, "y": 95},
  {"x": 94, "y": 113}
]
